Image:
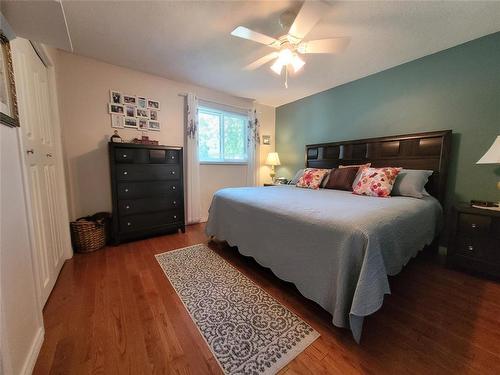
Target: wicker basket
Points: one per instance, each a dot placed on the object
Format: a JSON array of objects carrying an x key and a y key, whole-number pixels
[{"x": 87, "y": 235}]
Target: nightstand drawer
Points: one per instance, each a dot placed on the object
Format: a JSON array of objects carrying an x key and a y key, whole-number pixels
[
  {"x": 487, "y": 249},
  {"x": 474, "y": 225},
  {"x": 470, "y": 247},
  {"x": 475, "y": 239}
]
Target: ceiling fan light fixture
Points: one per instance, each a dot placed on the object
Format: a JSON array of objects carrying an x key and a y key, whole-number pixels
[
  {"x": 286, "y": 56},
  {"x": 297, "y": 63},
  {"x": 277, "y": 66}
]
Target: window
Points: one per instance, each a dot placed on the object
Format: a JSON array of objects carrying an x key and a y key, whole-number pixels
[{"x": 222, "y": 136}]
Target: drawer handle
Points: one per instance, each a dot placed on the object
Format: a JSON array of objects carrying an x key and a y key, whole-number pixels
[
  {"x": 129, "y": 224},
  {"x": 473, "y": 225},
  {"x": 173, "y": 172},
  {"x": 173, "y": 187},
  {"x": 124, "y": 155},
  {"x": 127, "y": 206},
  {"x": 174, "y": 203},
  {"x": 172, "y": 157},
  {"x": 125, "y": 173},
  {"x": 470, "y": 248},
  {"x": 126, "y": 190},
  {"x": 175, "y": 216}
]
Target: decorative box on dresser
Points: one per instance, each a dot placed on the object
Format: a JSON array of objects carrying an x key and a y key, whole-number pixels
[
  {"x": 147, "y": 190},
  {"x": 475, "y": 240}
]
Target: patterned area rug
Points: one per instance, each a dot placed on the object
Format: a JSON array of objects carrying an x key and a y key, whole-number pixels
[{"x": 248, "y": 331}]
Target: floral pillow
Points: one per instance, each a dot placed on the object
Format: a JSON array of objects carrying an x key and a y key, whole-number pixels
[
  {"x": 312, "y": 177},
  {"x": 376, "y": 182}
]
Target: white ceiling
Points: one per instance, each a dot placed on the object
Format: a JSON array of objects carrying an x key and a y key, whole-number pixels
[
  {"x": 41, "y": 20},
  {"x": 190, "y": 41}
]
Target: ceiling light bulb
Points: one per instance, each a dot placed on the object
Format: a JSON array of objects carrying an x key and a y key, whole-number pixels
[
  {"x": 277, "y": 66},
  {"x": 286, "y": 56},
  {"x": 297, "y": 63}
]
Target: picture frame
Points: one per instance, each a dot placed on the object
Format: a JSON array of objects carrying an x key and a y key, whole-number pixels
[
  {"x": 142, "y": 102},
  {"x": 142, "y": 124},
  {"x": 116, "y": 108},
  {"x": 154, "y": 125},
  {"x": 153, "y": 114},
  {"x": 130, "y": 110},
  {"x": 130, "y": 122},
  {"x": 117, "y": 121},
  {"x": 129, "y": 99},
  {"x": 115, "y": 97},
  {"x": 154, "y": 104},
  {"x": 9, "y": 115},
  {"x": 141, "y": 112},
  {"x": 266, "y": 139}
]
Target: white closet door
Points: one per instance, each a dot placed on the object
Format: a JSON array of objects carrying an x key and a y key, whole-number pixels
[{"x": 41, "y": 156}]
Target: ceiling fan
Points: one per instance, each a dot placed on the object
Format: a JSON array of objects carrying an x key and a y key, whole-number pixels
[{"x": 291, "y": 45}]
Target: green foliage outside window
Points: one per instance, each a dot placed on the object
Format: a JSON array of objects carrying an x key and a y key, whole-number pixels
[{"x": 222, "y": 136}]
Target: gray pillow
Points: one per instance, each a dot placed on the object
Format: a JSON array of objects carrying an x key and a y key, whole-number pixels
[
  {"x": 411, "y": 183},
  {"x": 297, "y": 176}
]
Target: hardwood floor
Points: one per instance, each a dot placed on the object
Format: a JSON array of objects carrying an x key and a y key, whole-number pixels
[{"x": 114, "y": 312}]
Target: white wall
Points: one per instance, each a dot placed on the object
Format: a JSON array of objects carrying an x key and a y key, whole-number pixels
[
  {"x": 21, "y": 318},
  {"x": 84, "y": 85},
  {"x": 267, "y": 118}
]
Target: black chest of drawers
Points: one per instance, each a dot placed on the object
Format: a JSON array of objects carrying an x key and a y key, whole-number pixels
[
  {"x": 147, "y": 190},
  {"x": 475, "y": 240}
]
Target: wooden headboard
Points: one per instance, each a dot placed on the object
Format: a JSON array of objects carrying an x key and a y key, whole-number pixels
[{"x": 429, "y": 151}]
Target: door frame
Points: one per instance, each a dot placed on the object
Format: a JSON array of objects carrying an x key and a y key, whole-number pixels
[{"x": 45, "y": 57}]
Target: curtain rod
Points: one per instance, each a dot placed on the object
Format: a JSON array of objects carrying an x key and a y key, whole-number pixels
[{"x": 184, "y": 94}]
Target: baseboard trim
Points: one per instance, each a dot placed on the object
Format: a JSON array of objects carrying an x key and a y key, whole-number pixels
[{"x": 30, "y": 362}]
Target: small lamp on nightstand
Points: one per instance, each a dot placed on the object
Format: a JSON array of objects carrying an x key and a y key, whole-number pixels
[
  {"x": 492, "y": 156},
  {"x": 272, "y": 160}
]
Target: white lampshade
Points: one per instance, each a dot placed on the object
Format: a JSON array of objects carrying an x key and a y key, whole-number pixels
[
  {"x": 272, "y": 159},
  {"x": 492, "y": 156}
]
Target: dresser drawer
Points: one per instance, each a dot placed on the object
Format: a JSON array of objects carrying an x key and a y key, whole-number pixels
[
  {"x": 124, "y": 155},
  {"x": 145, "y": 172},
  {"x": 151, "y": 220},
  {"x": 162, "y": 203},
  {"x": 474, "y": 225},
  {"x": 132, "y": 190},
  {"x": 172, "y": 156}
]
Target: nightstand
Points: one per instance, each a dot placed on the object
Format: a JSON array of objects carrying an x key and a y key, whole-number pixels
[{"x": 475, "y": 240}]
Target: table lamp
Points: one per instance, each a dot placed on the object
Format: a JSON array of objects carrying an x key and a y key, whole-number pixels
[
  {"x": 492, "y": 156},
  {"x": 272, "y": 160}
]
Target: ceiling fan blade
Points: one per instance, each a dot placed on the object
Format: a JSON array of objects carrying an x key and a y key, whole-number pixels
[
  {"x": 245, "y": 33},
  {"x": 263, "y": 60},
  {"x": 308, "y": 16},
  {"x": 333, "y": 45}
]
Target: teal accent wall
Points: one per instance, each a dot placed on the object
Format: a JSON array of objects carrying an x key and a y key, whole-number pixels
[{"x": 457, "y": 89}]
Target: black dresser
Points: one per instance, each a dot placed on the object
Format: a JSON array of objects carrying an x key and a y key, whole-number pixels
[{"x": 147, "y": 190}]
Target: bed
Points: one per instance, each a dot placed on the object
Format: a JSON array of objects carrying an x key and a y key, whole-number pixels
[{"x": 336, "y": 247}]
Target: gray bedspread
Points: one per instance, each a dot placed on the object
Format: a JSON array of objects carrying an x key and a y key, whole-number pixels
[{"x": 336, "y": 247}]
